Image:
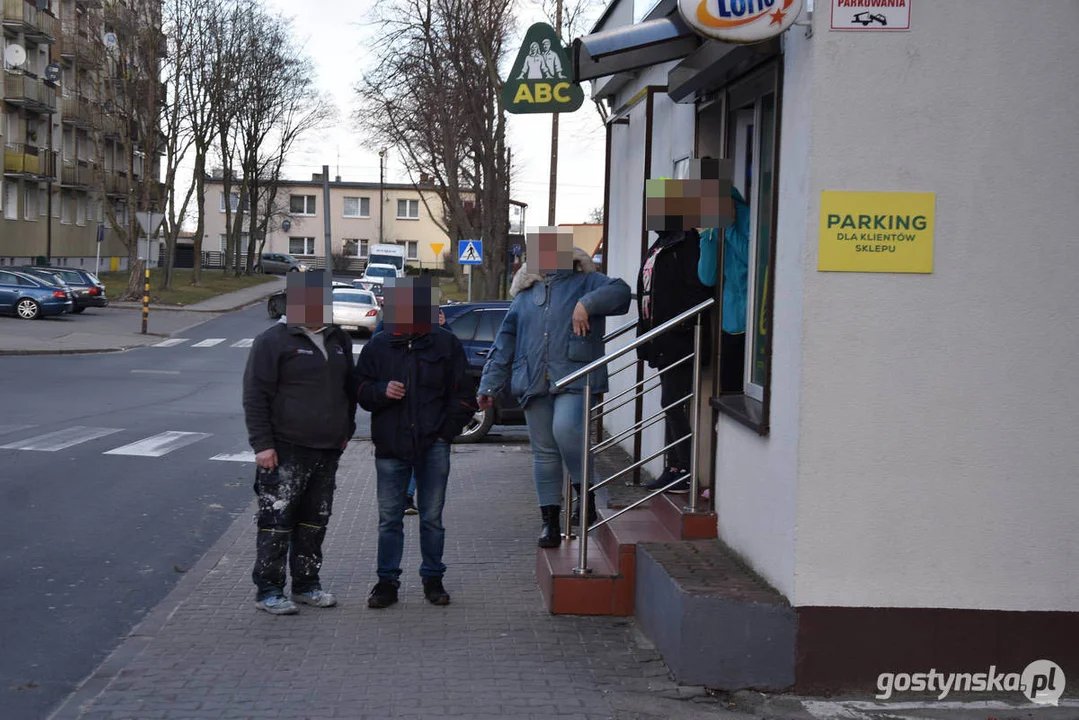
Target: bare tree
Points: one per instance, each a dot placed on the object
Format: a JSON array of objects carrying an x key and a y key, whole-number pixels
[
  {"x": 435, "y": 95},
  {"x": 125, "y": 130}
]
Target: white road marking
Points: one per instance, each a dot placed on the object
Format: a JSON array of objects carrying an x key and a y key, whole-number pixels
[
  {"x": 171, "y": 342},
  {"x": 156, "y": 372},
  {"x": 6, "y": 429},
  {"x": 61, "y": 439},
  {"x": 248, "y": 457},
  {"x": 209, "y": 342},
  {"x": 160, "y": 444},
  {"x": 246, "y": 342}
]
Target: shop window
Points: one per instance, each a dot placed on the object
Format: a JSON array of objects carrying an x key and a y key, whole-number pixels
[{"x": 747, "y": 258}]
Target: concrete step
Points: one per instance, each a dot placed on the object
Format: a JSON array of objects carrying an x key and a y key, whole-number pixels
[
  {"x": 716, "y": 623},
  {"x": 619, "y": 539},
  {"x": 568, "y": 593}
]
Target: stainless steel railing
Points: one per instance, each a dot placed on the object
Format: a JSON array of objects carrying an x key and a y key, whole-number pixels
[{"x": 591, "y": 413}]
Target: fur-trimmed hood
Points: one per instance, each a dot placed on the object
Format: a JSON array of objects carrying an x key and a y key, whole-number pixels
[{"x": 523, "y": 279}]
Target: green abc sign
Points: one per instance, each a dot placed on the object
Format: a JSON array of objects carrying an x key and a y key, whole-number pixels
[{"x": 542, "y": 77}]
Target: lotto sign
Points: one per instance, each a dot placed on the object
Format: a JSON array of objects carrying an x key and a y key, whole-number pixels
[
  {"x": 876, "y": 232},
  {"x": 740, "y": 21},
  {"x": 889, "y": 15}
]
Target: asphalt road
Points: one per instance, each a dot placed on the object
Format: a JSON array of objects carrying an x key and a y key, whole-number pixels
[{"x": 115, "y": 478}]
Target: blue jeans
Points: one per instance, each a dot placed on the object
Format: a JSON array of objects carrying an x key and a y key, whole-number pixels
[
  {"x": 412, "y": 485},
  {"x": 555, "y": 429},
  {"x": 431, "y": 471}
]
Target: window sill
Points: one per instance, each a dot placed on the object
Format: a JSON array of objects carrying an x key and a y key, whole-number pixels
[
  {"x": 303, "y": 215},
  {"x": 406, "y": 218},
  {"x": 356, "y": 217},
  {"x": 743, "y": 410}
]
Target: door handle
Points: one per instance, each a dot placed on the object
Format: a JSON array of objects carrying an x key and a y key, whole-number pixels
[{"x": 483, "y": 353}]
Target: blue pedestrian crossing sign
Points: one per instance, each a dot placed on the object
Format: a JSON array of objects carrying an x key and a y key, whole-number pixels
[{"x": 470, "y": 252}]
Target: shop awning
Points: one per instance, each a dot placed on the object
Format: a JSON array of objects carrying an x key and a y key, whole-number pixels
[
  {"x": 713, "y": 65},
  {"x": 632, "y": 46}
]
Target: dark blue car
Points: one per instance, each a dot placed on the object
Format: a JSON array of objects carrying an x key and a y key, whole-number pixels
[
  {"x": 476, "y": 325},
  {"x": 30, "y": 297}
]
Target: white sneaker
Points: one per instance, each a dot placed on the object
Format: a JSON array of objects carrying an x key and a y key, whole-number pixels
[
  {"x": 315, "y": 598},
  {"x": 277, "y": 605}
]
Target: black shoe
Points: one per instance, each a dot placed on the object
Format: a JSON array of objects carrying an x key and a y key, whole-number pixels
[
  {"x": 383, "y": 594},
  {"x": 593, "y": 513},
  {"x": 551, "y": 535},
  {"x": 434, "y": 592},
  {"x": 410, "y": 505},
  {"x": 667, "y": 477}
]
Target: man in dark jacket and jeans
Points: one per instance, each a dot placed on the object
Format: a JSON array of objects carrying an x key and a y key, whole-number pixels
[
  {"x": 299, "y": 402},
  {"x": 414, "y": 379}
]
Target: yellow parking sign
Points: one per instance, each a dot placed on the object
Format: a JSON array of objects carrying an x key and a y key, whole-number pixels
[{"x": 889, "y": 232}]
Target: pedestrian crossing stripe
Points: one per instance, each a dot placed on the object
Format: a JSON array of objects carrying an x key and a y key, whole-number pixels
[
  {"x": 160, "y": 444},
  {"x": 235, "y": 457},
  {"x": 209, "y": 342},
  {"x": 245, "y": 343},
  {"x": 60, "y": 439},
  {"x": 171, "y": 342}
]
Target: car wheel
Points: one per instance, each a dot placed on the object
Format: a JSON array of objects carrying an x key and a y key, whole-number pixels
[
  {"x": 78, "y": 309},
  {"x": 294, "y": 269},
  {"x": 28, "y": 309},
  {"x": 478, "y": 427},
  {"x": 258, "y": 270}
]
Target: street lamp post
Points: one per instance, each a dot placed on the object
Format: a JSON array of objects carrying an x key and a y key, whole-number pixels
[{"x": 381, "y": 190}]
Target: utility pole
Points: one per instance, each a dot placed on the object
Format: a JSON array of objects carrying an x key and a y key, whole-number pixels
[
  {"x": 381, "y": 189},
  {"x": 326, "y": 216},
  {"x": 554, "y": 131}
]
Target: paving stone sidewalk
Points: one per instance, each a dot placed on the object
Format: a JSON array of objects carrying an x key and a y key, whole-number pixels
[{"x": 495, "y": 652}]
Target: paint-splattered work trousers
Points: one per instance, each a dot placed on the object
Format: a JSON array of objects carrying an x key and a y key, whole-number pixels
[{"x": 295, "y": 502}]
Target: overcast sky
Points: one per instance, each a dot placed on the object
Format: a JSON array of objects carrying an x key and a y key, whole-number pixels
[{"x": 333, "y": 33}]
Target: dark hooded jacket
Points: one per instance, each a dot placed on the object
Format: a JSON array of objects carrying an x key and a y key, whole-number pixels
[{"x": 440, "y": 396}]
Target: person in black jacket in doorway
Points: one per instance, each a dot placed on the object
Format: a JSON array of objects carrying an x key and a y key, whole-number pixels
[
  {"x": 677, "y": 274},
  {"x": 413, "y": 378},
  {"x": 299, "y": 399}
]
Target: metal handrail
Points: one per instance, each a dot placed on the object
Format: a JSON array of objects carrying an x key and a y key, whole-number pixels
[
  {"x": 620, "y": 331},
  {"x": 640, "y": 388},
  {"x": 648, "y": 336}
]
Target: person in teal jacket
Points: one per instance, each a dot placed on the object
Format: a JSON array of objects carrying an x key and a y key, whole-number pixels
[
  {"x": 735, "y": 295},
  {"x": 554, "y": 326}
]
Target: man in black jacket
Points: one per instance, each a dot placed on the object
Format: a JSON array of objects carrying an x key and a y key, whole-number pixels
[
  {"x": 414, "y": 379},
  {"x": 299, "y": 399}
]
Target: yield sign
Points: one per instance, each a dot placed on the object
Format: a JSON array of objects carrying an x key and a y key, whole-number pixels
[
  {"x": 150, "y": 222},
  {"x": 437, "y": 248}
]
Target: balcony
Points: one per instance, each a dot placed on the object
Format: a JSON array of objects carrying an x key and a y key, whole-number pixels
[
  {"x": 74, "y": 44},
  {"x": 77, "y": 175},
  {"x": 116, "y": 183},
  {"x": 29, "y": 92},
  {"x": 75, "y": 110},
  {"x": 23, "y": 17},
  {"x": 23, "y": 159}
]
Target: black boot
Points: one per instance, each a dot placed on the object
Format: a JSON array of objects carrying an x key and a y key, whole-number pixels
[
  {"x": 593, "y": 514},
  {"x": 551, "y": 536}
]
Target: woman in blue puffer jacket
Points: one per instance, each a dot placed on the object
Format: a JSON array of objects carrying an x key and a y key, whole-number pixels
[{"x": 555, "y": 325}]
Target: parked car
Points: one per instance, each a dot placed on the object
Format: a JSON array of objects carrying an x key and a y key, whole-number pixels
[
  {"x": 355, "y": 310},
  {"x": 87, "y": 289},
  {"x": 30, "y": 297},
  {"x": 274, "y": 263},
  {"x": 476, "y": 325},
  {"x": 375, "y": 288}
]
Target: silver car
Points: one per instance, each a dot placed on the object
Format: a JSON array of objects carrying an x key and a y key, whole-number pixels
[
  {"x": 355, "y": 310},
  {"x": 274, "y": 263}
]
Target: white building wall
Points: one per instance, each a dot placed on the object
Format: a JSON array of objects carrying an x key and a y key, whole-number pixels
[
  {"x": 756, "y": 477},
  {"x": 938, "y": 454}
]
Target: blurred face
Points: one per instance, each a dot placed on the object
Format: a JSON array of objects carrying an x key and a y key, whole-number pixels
[
  {"x": 411, "y": 305},
  {"x": 308, "y": 300},
  {"x": 549, "y": 249},
  {"x": 701, "y": 201}
]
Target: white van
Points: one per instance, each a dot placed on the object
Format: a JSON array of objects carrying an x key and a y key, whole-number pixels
[{"x": 387, "y": 255}]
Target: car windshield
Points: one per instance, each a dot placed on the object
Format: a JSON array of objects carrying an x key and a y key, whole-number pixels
[
  {"x": 353, "y": 297},
  {"x": 47, "y": 277},
  {"x": 381, "y": 272},
  {"x": 394, "y": 260}
]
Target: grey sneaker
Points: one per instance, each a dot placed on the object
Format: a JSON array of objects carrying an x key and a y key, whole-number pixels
[
  {"x": 315, "y": 598},
  {"x": 277, "y": 605}
]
